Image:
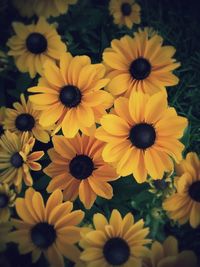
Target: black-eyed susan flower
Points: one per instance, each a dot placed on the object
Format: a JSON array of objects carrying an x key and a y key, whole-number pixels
[
  {"x": 17, "y": 159},
  {"x": 34, "y": 44},
  {"x": 125, "y": 12},
  {"x": 23, "y": 118},
  {"x": 78, "y": 169},
  {"x": 44, "y": 8},
  {"x": 184, "y": 204},
  {"x": 117, "y": 242},
  {"x": 140, "y": 63},
  {"x": 168, "y": 255},
  {"x": 7, "y": 200},
  {"x": 5, "y": 229},
  {"x": 161, "y": 187},
  {"x": 2, "y": 118},
  {"x": 49, "y": 229},
  {"x": 70, "y": 95},
  {"x": 142, "y": 136}
]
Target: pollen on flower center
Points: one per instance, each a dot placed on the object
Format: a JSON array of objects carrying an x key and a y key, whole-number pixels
[
  {"x": 126, "y": 9},
  {"x": 16, "y": 160},
  {"x": 36, "y": 43},
  {"x": 43, "y": 235},
  {"x": 194, "y": 191},
  {"x": 25, "y": 122},
  {"x": 1, "y": 130},
  {"x": 81, "y": 167},
  {"x": 70, "y": 96},
  {"x": 116, "y": 251},
  {"x": 140, "y": 68},
  {"x": 142, "y": 135},
  {"x": 4, "y": 199}
]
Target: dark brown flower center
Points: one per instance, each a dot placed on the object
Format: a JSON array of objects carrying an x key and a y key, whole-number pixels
[
  {"x": 4, "y": 199},
  {"x": 194, "y": 191},
  {"x": 16, "y": 160},
  {"x": 1, "y": 130},
  {"x": 142, "y": 135},
  {"x": 36, "y": 43},
  {"x": 70, "y": 96},
  {"x": 126, "y": 9},
  {"x": 43, "y": 235},
  {"x": 160, "y": 184},
  {"x": 81, "y": 167},
  {"x": 25, "y": 122},
  {"x": 116, "y": 251},
  {"x": 140, "y": 68}
]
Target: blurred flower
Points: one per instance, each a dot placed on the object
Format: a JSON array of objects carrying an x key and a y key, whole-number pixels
[
  {"x": 2, "y": 118},
  {"x": 167, "y": 255},
  {"x": 142, "y": 137},
  {"x": 33, "y": 45},
  {"x": 49, "y": 229},
  {"x": 24, "y": 118},
  {"x": 7, "y": 200},
  {"x": 78, "y": 168},
  {"x": 117, "y": 242},
  {"x": 16, "y": 159},
  {"x": 3, "y": 61},
  {"x": 5, "y": 228},
  {"x": 125, "y": 12},
  {"x": 45, "y": 8},
  {"x": 70, "y": 95},
  {"x": 161, "y": 187},
  {"x": 184, "y": 204},
  {"x": 140, "y": 63}
]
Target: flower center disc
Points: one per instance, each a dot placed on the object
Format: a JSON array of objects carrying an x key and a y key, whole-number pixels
[
  {"x": 16, "y": 160},
  {"x": 116, "y": 251},
  {"x": 1, "y": 130},
  {"x": 81, "y": 167},
  {"x": 160, "y": 184},
  {"x": 43, "y": 235},
  {"x": 25, "y": 122},
  {"x": 140, "y": 69},
  {"x": 126, "y": 9},
  {"x": 70, "y": 96},
  {"x": 142, "y": 135},
  {"x": 36, "y": 43},
  {"x": 3, "y": 200},
  {"x": 194, "y": 191}
]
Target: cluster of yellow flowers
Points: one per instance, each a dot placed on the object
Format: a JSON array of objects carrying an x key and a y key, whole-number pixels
[{"x": 138, "y": 134}]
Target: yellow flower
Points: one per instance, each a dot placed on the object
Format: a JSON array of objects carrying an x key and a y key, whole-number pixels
[
  {"x": 184, "y": 204},
  {"x": 77, "y": 168},
  {"x": 70, "y": 95},
  {"x": 24, "y": 118},
  {"x": 45, "y": 8},
  {"x": 125, "y": 12},
  {"x": 35, "y": 44},
  {"x": 5, "y": 228},
  {"x": 47, "y": 229},
  {"x": 140, "y": 63},
  {"x": 167, "y": 255},
  {"x": 2, "y": 118},
  {"x": 7, "y": 200},
  {"x": 161, "y": 187},
  {"x": 142, "y": 136},
  {"x": 17, "y": 159},
  {"x": 117, "y": 242}
]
